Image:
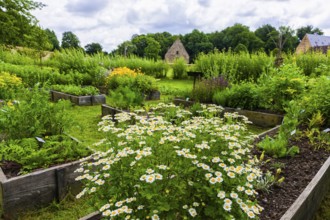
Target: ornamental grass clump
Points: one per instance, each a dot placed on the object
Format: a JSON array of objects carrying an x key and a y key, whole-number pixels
[{"x": 169, "y": 163}]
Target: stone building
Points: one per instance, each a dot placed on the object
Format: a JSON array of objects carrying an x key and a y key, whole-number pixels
[
  {"x": 314, "y": 42},
  {"x": 175, "y": 51}
]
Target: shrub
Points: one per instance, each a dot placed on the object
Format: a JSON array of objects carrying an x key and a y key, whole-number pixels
[
  {"x": 166, "y": 165},
  {"x": 244, "y": 95},
  {"x": 76, "y": 90},
  {"x": 9, "y": 85},
  {"x": 125, "y": 97},
  {"x": 205, "y": 89},
  {"x": 281, "y": 86},
  {"x": 34, "y": 116},
  {"x": 317, "y": 98},
  {"x": 31, "y": 154},
  {"x": 134, "y": 79},
  {"x": 235, "y": 67},
  {"x": 179, "y": 69}
]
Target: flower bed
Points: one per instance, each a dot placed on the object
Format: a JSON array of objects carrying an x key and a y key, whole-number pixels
[
  {"x": 78, "y": 100},
  {"x": 167, "y": 164}
]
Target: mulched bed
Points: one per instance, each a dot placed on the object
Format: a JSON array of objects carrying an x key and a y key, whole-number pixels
[{"x": 298, "y": 172}]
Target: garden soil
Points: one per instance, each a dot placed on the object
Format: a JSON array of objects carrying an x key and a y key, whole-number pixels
[{"x": 298, "y": 171}]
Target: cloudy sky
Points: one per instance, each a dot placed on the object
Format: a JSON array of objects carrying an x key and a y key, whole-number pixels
[{"x": 110, "y": 22}]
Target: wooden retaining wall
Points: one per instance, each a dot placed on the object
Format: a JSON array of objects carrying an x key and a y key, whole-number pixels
[
  {"x": 37, "y": 189},
  {"x": 78, "y": 100}
]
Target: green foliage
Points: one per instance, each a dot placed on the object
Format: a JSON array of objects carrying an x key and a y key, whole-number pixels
[
  {"x": 9, "y": 85},
  {"x": 17, "y": 22},
  {"x": 76, "y": 90},
  {"x": 93, "y": 48},
  {"x": 311, "y": 62},
  {"x": 34, "y": 115},
  {"x": 163, "y": 165},
  {"x": 179, "y": 69},
  {"x": 281, "y": 86},
  {"x": 278, "y": 146},
  {"x": 32, "y": 154},
  {"x": 235, "y": 67},
  {"x": 125, "y": 97},
  {"x": 316, "y": 98},
  {"x": 244, "y": 96},
  {"x": 206, "y": 88},
  {"x": 70, "y": 40}
]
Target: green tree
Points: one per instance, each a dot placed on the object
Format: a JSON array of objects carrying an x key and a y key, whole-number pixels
[
  {"x": 70, "y": 40},
  {"x": 263, "y": 33},
  {"x": 196, "y": 42},
  {"x": 241, "y": 48},
  {"x": 152, "y": 49},
  {"x": 216, "y": 38},
  {"x": 165, "y": 40},
  {"x": 125, "y": 49},
  {"x": 309, "y": 29},
  {"x": 16, "y": 20},
  {"x": 93, "y": 48},
  {"x": 240, "y": 34},
  {"x": 53, "y": 39},
  {"x": 140, "y": 43}
]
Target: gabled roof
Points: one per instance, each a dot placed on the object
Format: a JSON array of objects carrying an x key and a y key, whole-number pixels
[{"x": 318, "y": 40}]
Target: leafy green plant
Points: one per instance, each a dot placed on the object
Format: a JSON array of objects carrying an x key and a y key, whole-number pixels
[
  {"x": 76, "y": 90},
  {"x": 9, "y": 85},
  {"x": 124, "y": 97},
  {"x": 244, "y": 95},
  {"x": 179, "y": 69},
  {"x": 34, "y": 115},
  {"x": 206, "y": 88},
  {"x": 32, "y": 154},
  {"x": 278, "y": 146},
  {"x": 166, "y": 165},
  {"x": 281, "y": 86}
]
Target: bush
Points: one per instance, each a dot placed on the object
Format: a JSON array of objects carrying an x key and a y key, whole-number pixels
[
  {"x": 244, "y": 96},
  {"x": 9, "y": 85},
  {"x": 179, "y": 69},
  {"x": 169, "y": 165},
  {"x": 205, "y": 89},
  {"x": 281, "y": 86},
  {"x": 76, "y": 90},
  {"x": 235, "y": 67},
  {"x": 34, "y": 116},
  {"x": 31, "y": 154},
  {"x": 317, "y": 98},
  {"x": 125, "y": 97},
  {"x": 134, "y": 79}
]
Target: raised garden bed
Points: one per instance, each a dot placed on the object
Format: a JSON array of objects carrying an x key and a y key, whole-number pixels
[
  {"x": 261, "y": 119},
  {"x": 37, "y": 189},
  {"x": 78, "y": 100},
  {"x": 108, "y": 110},
  {"x": 309, "y": 194},
  {"x": 19, "y": 193}
]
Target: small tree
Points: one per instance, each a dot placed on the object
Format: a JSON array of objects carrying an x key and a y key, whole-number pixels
[
  {"x": 70, "y": 40},
  {"x": 93, "y": 48}
]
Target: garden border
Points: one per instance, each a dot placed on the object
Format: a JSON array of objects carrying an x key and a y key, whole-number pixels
[
  {"x": 78, "y": 100},
  {"x": 38, "y": 188}
]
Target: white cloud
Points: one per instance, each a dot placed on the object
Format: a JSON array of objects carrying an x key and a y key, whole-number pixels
[{"x": 112, "y": 22}]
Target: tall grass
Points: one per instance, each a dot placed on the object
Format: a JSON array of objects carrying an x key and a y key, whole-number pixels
[
  {"x": 310, "y": 62},
  {"x": 235, "y": 67}
]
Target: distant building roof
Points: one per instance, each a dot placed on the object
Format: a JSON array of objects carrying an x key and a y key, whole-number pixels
[{"x": 318, "y": 40}]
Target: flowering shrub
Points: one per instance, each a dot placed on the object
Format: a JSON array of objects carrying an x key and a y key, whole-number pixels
[
  {"x": 8, "y": 85},
  {"x": 135, "y": 79},
  {"x": 171, "y": 164}
]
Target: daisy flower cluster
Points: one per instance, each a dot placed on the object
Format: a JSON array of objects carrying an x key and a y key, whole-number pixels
[{"x": 180, "y": 163}]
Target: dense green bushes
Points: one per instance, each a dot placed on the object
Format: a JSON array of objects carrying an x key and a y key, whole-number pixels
[
  {"x": 235, "y": 67},
  {"x": 76, "y": 90},
  {"x": 34, "y": 115}
]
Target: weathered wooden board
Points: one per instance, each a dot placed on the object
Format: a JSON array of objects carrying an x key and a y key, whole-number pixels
[
  {"x": 108, "y": 110},
  {"x": 307, "y": 203},
  {"x": 37, "y": 189},
  {"x": 78, "y": 100}
]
